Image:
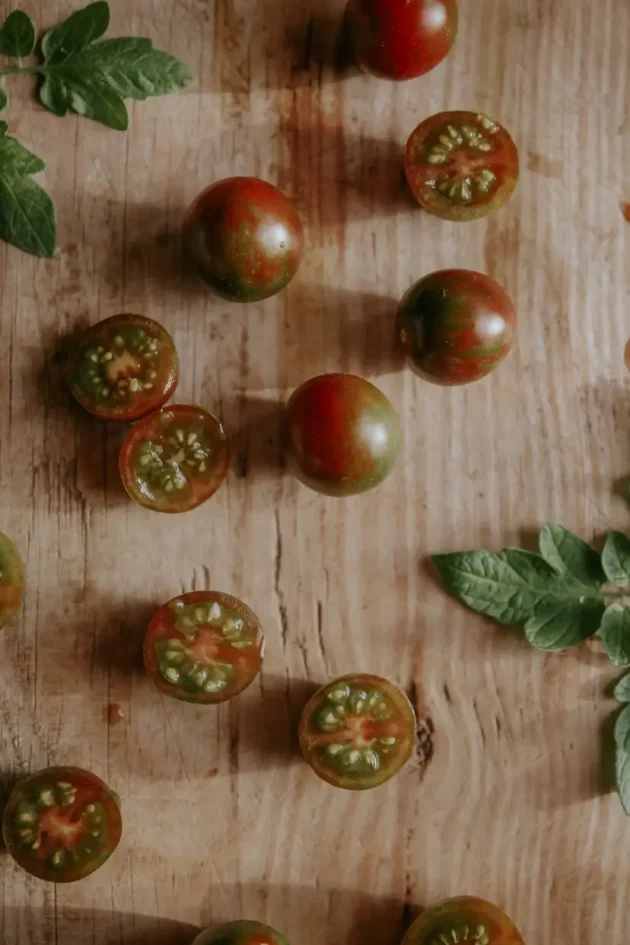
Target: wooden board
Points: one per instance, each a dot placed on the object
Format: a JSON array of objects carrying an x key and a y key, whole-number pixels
[{"x": 222, "y": 820}]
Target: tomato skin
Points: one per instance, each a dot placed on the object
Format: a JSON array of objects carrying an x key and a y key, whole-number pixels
[
  {"x": 245, "y": 237},
  {"x": 121, "y": 364},
  {"x": 487, "y": 923},
  {"x": 241, "y": 932},
  {"x": 184, "y": 622},
  {"x": 402, "y": 39},
  {"x": 11, "y": 580},
  {"x": 461, "y": 165},
  {"x": 344, "y": 434},
  {"x": 357, "y": 731},
  {"x": 87, "y": 789},
  {"x": 455, "y": 326}
]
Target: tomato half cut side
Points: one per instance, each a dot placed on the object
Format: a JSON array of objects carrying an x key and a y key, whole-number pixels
[
  {"x": 61, "y": 824},
  {"x": 204, "y": 647},
  {"x": 461, "y": 165},
  {"x": 464, "y": 920},
  {"x": 358, "y": 731},
  {"x": 11, "y": 580},
  {"x": 241, "y": 932},
  {"x": 174, "y": 459},
  {"x": 122, "y": 368}
]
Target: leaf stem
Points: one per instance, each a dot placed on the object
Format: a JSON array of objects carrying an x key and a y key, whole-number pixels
[{"x": 26, "y": 70}]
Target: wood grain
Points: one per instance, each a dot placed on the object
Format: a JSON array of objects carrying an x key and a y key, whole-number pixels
[{"x": 222, "y": 820}]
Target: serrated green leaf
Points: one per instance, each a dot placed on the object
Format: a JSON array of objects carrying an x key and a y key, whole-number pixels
[
  {"x": 615, "y": 634},
  {"x": 4, "y": 98},
  {"x": 17, "y": 35},
  {"x": 93, "y": 100},
  {"x": 616, "y": 559},
  {"x": 570, "y": 556},
  {"x": 622, "y": 743},
  {"x": 75, "y": 33},
  {"x": 621, "y": 691},
  {"x": 55, "y": 96},
  {"x": 27, "y": 216},
  {"x": 558, "y": 625},
  {"x": 3, "y": 128}
]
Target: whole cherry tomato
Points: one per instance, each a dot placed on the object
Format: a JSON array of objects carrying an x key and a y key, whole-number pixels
[
  {"x": 463, "y": 921},
  {"x": 401, "y": 39},
  {"x": 461, "y": 165},
  {"x": 344, "y": 435},
  {"x": 455, "y": 326},
  {"x": 245, "y": 237},
  {"x": 11, "y": 580}
]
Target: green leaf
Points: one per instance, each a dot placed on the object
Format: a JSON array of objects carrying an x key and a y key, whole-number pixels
[
  {"x": 17, "y": 35},
  {"x": 75, "y": 33},
  {"x": 621, "y": 691},
  {"x": 27, "y": 215},
  {"x": 4, "y": 98},
  {"x": 616, "y": 559},
  {"x": 570, "y": 556},
  {"x": 94, "y": 100},
  {"x": 558, "y": 625},
  {"x": 615, "y": 634},
  {"x": 622, "y": 743}
]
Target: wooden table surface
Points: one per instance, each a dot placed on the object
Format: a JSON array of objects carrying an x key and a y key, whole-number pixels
[{"x": 505, "y": 798}]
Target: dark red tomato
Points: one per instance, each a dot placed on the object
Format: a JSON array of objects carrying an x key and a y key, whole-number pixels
[
  {"x": 62, "y": 824},
  {"x": 11, "y": 580},
  {"x": 204, "y": 647},
  {"x": 455, "y": 326},
  {"x": 243, "y": 932},
  {"x": 245, "y": 237},
  {"x": 344, "y": 435},
  {"x": 463, "y": 921},
  {"x": 358, "y": 731},
  {"x": 461, "y": 165},
  {"x": 402, "y": 39},
  {"x": 123, "y": 367},
  {"x": 174, "y": 459}
]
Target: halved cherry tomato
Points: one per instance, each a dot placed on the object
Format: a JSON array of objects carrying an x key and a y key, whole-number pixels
[
  {"x": 455, "y": 326},
  {"x": 123, "y": 367},
  {"x": 241, "y": 932},
  {"x": 246, "y": 238},
  {"x": 62, "y": 824},
  {"x": 463, "y": 921},
  {"x": 401, "y": 39},
  {"x": 174, "y": 459},
  {"x": 344, "y": 434},
  {"x": 461, "y": 165},
  {"x": 358, "y": 731},
  {"x": 11, "y": 580},
  {"x": 203, "y": 647}
]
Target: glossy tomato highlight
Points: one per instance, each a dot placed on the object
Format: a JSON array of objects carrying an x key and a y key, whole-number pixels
[
  {"x": 461, "y": 165},
  {"x": 245, "y": 237},
  {"x": 204, "y": 647},
  {"x": 241, "y": 932},
  {"x": 174, "y": 459},
  {"x": 455, "y": 326},
  {"x": 463, "y": 921},
  {"x": 11, "y": 580},
  {"x": 401, "y": 39},
  {"x": 61, "y": 824}
]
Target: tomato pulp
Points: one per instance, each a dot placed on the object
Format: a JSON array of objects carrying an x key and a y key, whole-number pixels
[
  {"x": 245, "y": 237},
  {"x": 344, "y": 435},
  {"x": 455, "y": 326},
  {"x": 61, "y": 824},
  {"x": 461, "y": 165},
  {"x": 241, "y": 932},
  {"x": 123, "y": 367},
  {"x": 11, "y": 580},
  {"x": 174, "y": 459},
  {"x": 402, "y": 39},
  {"x": 463, "y": 921},
  {"x": 358, "y": 731},
  {"x": 204, "y": 647}
]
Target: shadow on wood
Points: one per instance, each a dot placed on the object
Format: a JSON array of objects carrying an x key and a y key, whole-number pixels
[{"x": 71, "y": 926}]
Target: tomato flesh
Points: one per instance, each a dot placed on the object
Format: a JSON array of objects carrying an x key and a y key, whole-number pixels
[
  {"x": 174, "y": 459},
  {"x": 11, "y": 580},
  {"x": 463, "y": 921},
  {"x": 455, "y": 326},
  {"x": 245, "y": 237},
  {"x": 123, "y": 367},
  {"x": 402, "y": 39},
  {"x": 204, "y": 647},
  {"x": 358, "y": 731},
  {"x": 344, "y": 434},
  {"x": 62, "y": 824},
  {"x": 241, "y": 932},
  {"x": 461, "y": 165}
]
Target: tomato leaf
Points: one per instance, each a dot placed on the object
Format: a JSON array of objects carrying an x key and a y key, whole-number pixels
[
  {"x": 622, "y": 743},
  {"x": 568, "y": 555},
  {"x": 622, "y": 689},
  {"x": 616, "y": 559},
  {"x": 559, "y": 624},
  {"x": 17, "y": 35},
  {"x": 4, "y": 98},
  {"x": 75, "y": 33},
  {"x": 27, "y": 216},
  {"x": 615, "y": 634}
]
